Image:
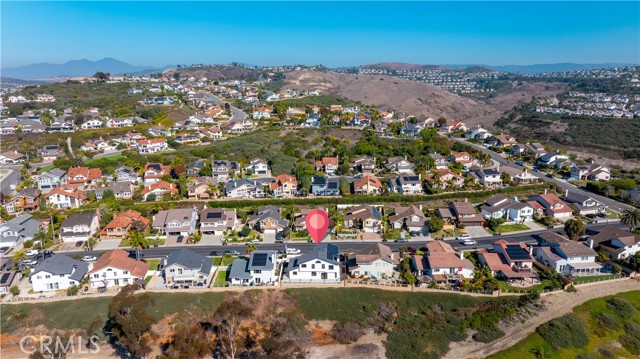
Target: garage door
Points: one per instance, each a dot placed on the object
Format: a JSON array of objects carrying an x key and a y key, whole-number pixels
[{"x": 270, "y": 231}]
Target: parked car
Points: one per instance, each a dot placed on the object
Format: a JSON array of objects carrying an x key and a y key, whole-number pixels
[
  {"x": 550, "y": 175},
  {"x": 463, "y": 237},
  {"x": 29, "y": 263},
  {"x": 293, "y": 251},
  {"x": 180, "y": 239},
  {"x": 401, "y": 241},
  {"x": 4, "y": 249},
  {"x": 233, "y": 252},
  {"x": 253, "y": 241},
  {"x": 89, "y": 258},
  {"x": 215, "y": 254},
  {"x": 469, "y": 242},
  {"x": 32, "y": 252},
  {"x": 79, "y": 243},
  {"x": 279, "y": 241}
]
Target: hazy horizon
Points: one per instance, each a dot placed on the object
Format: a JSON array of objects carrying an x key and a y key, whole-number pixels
[{"x": 330, "y": 33}]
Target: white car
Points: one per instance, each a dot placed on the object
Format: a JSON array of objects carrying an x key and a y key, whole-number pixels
[
  {"x": 463, "y": 237},
  {"x": 89, "y": 258},
  {"x": 253, "y": 241},
  {"x": 469, "y": 242},
  {"x": 293, "y": 251},
  {"x": 32, "y": 252},
  {"x": 29, "y": 263}
]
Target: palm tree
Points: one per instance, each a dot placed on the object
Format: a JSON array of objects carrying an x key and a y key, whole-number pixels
[
  {"x": 77, "y": 161},
  {"x": 19, "y": 256},
  {"x": 137, "y": 241},
  {"x": 250, "y": 248},
  {"x": 631, "y": 217}
]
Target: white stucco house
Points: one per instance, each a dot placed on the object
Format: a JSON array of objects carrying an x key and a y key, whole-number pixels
[
  {"x": 58, "y": 272},
  {"x": 321, "y": 264}
]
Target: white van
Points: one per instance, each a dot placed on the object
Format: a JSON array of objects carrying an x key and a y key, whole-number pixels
[{"x": 293, "y": 251}]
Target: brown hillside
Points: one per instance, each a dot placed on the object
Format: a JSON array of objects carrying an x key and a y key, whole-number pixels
[
  {"x": 218, "y": 72},
  {"x": 524, "y": 92},
  {"x": 392, "y": 93}
]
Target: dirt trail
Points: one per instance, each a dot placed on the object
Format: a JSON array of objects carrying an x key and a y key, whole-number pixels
[{"x": 556, "y": 305}]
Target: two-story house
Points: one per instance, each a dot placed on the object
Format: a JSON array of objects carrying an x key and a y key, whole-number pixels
[
  {"x": 185, "y": 268},
  {"x": 116, "y": 269},
  {"x": 50, "y": 152},
  {"x": 18, "y": 229},
  {"x": 407, "y": 184},
  {"x": 409, "y": 218},
  {"x": 439, "y": 161},
  {"x": 443, "y": 179},
  {"x": 399, "y": 165},
  {"x": 244, "y": 188},
  {"x": 325, "y": 186},
  {"x": 511, "y": 209},
  {"x": 489, "y": 177},
  {"x": 464, "y": 158},
  {"x": 201, "y": 188},
  {"x": 443, "y": 264},
  {"x": 268, "y": 220},
  {"x": 126, "y": 173},
  {"x": 553, "y": 205},
  {"x": 121, "y": 190},
  {"x": 83, "y": 175},
  {"x": 364, "y": 165},
  {"x": 223, "y": 170},
  {"x": 367, "y": 185},
  {"x": 58, "y": 272},
  {"x": 321, "y": 264},
  {"x": 65, "y": 196},
  {"x": 284, "y": 186},
  {"x": 584, "y": 204},
  {"x": 465, "y": 213},
  {"x": 567, "y": 257},
  {"x": 616, "y": 242},
  {"x": 328, "y": 165},
  {"x": 175, "y": 222},
  {"x": 260, "y": 269},
  {"x": 363, "y": 217},
  {"x": 159, "y": 190},
  {"x": 259, "y": 167},
  {"x": 122, "y": 223},
  {"x": 153, "y": 172},
  {"x": 375, "y": 260},
  {"x": 79, "y": 227},
  {"x": 518, "y": 257},
  {"x": 593, "y": 172},
  {"x": 26, "y": 200},
  {"x": 51, "y": 179},
  {"x": 217, "y": 220},
  {"x": 153, "y": 145}
]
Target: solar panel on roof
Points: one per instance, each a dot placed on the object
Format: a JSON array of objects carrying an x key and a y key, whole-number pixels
[
  {"x": 517, "y": 253},
  {"x": 260, "y": 259},
  {"x": 214, "y": 215},
  {"x": 5, "y": 277},
  {"x": 413, "y": 178}
]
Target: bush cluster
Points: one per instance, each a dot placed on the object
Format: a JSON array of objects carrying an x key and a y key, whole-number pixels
[
  {"x": 622, "y": 307},
  {"x": 565, "y": 332}
]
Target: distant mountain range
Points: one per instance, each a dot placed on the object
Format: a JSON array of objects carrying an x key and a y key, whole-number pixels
[{"x": 74, "y": 68}]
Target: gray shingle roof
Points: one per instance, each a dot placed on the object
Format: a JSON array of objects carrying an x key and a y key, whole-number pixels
[
  {"x": 190, "y": 259},
  {"x": 239, "y": 270},
  {"x": 78, "y": 219},
  {"x": 60, "y": 264}
]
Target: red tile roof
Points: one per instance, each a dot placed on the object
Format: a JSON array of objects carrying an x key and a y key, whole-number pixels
[{"x": 118, "y": 258}]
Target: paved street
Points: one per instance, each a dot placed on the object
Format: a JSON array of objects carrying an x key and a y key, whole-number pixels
[
  {"x": 612, "y": 204},
  {"x": 237, "y": 114},
  {"x": 13, "y": 178}
]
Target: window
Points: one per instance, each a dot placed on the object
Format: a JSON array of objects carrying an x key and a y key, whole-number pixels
[
  {"x": 96, "y": 276},
  {"x": 47, "y": 276},
  {"x": 125, "y": 272},
  {"x": 313, "y": 266},
  {"x": 313, "y": 274},
  {"x": 303, "y": 265},
  {"x": 322, "y": 266},
  {"x": 584, "y": 258},
  {"x": 257, "y": 271},
  {"x": 331, "y": 267}
]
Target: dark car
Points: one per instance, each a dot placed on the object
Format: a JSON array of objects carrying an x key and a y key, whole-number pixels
[
  {"x": 550, "y": 175},
  {"x": 79, "y": 243},
  {"x": 180, "y": 239},
  {"x": 401, "y": 241},
  {"x": 215, "y": 254},
  {"x": 4, "y": 249},
  {"x": 279, "y": 236},
  {"x": 309, "y": 240},
  {"x": 411, "y": 250}
]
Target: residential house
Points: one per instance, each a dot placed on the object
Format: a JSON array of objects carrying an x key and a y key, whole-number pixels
[
  {"x": 284, "y": 186},
  {"x": 201, "y": 188},
  {"x": 126, "y": 173},
  {"x": 399, "y": 165},
  {"x": 212, "y": 133},
  {"x": 568, "y": 257},
  {"x": 61, "y": 125},
  {"x": 121, "y": 224},
  {"x": 552, "y": 159},
  {"x": 185, "y": 268},
  {"x": 409, "y": 218},
  {"x": 153, "y": 145},
  {"x": 51, "y": 152},
  {"x": 591, "y": 172},
  {"x": 463, "y": 158},
  {"x": 503, "y": 268},
  {"x": 443, "y": 264},
  {"x": 83, "y": 175},
  {"x": 363, "y": 217},
  {"x": 553, "y": 206},
  {"x": 118, "y": 122},
  {"x": 18, "y": 229},
  {"x": 477, "y": 133},
  {"x": 510, "y": 209},
  {"x": 24, "y": 201},
  {"x": 367, "y": 185},
  {"x": 375, "y": 260},
  {"x": 159, "y": 190},
  {"x": 443, "y": 179},
  {"x": 58, "y": 272},
  {"x": 97, "y": 145},
  {"x": 91, "y": 123},
  {"x": 321, "y": 264},
  {"x": 262, "y": 112},
  {"x": 121, "y": 190},
  {"x": 79, "y": 227},
  {"x": 116, "y": 269},
  {"x": 584, "y": 204},
  {"x": 65, "y": 196},
  {"x": 364, "y": 165},
  {"x": 325, "y": 186},
  {"x": 237, "y": 126},
  {"x": 328, "y": 165},
  {"x": 222, "y": 169},
  {"x": 616, "y": 242},
  {"x": 259, "y": 167},
  {"x": 268, "y": 220},
  {"x": 535, "y": 149},
  {"x": 502, "y": 141},
  {"x": 519, "y": 176},
  {"x": 465, "y": 213},
  {"x": 158, "y": 131},
  {"x": 489, "y": 177},
  {"x": 11, "y": 158},
  {"x": 244, "y": 188},
  {"x": 452, "y": 126},
  {"x": 186, "y": 139},
  {"x": 195, "y": 168},
  {"x": 518, "y": 257},
  {"x": 406, "y": 184},
  {"x": 260, "y": 269},
  {"x": 174, "y": 222},
  {"x": 9, "y": 278},
  {"x": 153, "y": 172},
  {"x": 51, "y": 179},
  {"x": 217, "y": 220},
  {"x": 439, "y": 161}
]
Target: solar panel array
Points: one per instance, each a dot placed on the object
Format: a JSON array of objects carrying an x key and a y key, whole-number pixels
[
  {"x": 214, "y": 215},
  {"x": 412, "y": 178},
  {"x": 517, "y": 253},
  {"x": 260, "y": 259},
  {"x": 5, "y": 277}
]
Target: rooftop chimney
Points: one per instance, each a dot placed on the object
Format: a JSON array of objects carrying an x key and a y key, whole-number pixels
[
  {"x": 461, "y": 255},
  {"x": 531, "y": 250},
  {"x": 591, "y": 243},
  {"x": 545, "y": 191},
  {"x": 566, "y": 193}
]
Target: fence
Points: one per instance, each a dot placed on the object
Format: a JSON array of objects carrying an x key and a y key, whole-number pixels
[{"x": 577, "y": 281}]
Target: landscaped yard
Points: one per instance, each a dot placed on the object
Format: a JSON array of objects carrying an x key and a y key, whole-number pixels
[
  {"x": 108, "y": 159},
  {"x": 153, "y": 263},
  {"x": 594, "y": 278},
  {"x": 446, "y": 233},
  {"x": 221, "y": 279},
  {"x": 505, "y": 228},
  {"x": 224, "y": 261}
]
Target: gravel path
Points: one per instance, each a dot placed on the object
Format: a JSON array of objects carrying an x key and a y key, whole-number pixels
[{"x": 556, "y": 305}]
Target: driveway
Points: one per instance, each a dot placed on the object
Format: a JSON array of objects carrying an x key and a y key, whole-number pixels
[
  {"x": 210, "y": 239},
  {"x": 476, "y": 231},
  {"x": 269, "y": 238},
  {"x": 107, "y": 245}
]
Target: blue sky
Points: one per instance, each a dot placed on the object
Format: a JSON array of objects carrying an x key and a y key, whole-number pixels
[{"x": 330, "y": 33}]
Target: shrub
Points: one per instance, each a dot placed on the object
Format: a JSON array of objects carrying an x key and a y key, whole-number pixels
[
  {"x": 487, "y": 335},
  {"x": 607, "y": 353},
  {"x": 585, "y": 356},
  {"x": 608, "y": 322},
  {"x": 630, "y": 343},
  {"x": 622, "y": 307},
  {"x": 564, "y": 332},
  {"x": 346, "y": 333},
  {"x": 245, "y": 231},
  {"x": 73, "y": 290},
  {"x": 15, "y": 290},
  {"x": 632, "y": 329}
]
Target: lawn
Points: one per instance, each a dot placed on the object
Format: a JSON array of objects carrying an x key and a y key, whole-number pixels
[
  {"x": 79, "y": 313},
  {"x": 593, "y": 278},
  {"x": 598, "y": 338},
  {"x": 446, "y": 233},
  {"x": 221, "y": 279},
  {"x": 153, "y": 263},
  {"x": 46, "y": 168},
  {"x": 102, "y": 161},
  {"x": 505, "y": 228}
]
